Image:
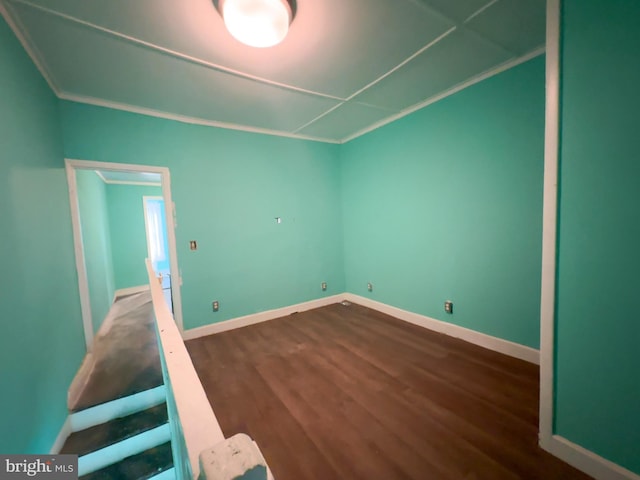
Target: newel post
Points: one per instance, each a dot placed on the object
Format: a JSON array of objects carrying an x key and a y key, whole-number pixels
[{"x": 236, "y": 458}]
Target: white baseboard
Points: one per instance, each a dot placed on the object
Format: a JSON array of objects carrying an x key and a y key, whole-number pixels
[
  {"x": 585, "y": 460},
  {"x": 481, "y": 339},
  {"x": 259, "y": 317},
  {"x": 591, "y": 463},
  {"x": 64, "y": 433},
  {"x": 129, "y": 291}
]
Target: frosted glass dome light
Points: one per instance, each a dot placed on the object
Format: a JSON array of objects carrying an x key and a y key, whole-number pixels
[{"x": 257, "y": 23}]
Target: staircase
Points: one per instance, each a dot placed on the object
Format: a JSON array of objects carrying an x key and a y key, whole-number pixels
[
  {"x": 127, "y": 438},
  {"x": 119, "y": 422}
]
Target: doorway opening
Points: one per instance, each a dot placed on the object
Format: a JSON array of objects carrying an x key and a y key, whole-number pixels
[
  {"x": 157, "y": 245},
  {"x": 121, "y": 214}
]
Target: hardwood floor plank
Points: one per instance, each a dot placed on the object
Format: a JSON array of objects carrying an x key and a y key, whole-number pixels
[
  {"x": 323, "y": 416},
  {"x": 416, "y": 424},
  {"x": 350, "y": 393},
  {"x": 251, "y": 399}
]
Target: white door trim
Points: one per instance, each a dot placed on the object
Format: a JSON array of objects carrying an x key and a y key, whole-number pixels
[
  {"x": 574, "y": 454},
  {"x": 81, "y": 268},
  {"x": 83, "y": 285},
  {"x": 549, "y": 223}
]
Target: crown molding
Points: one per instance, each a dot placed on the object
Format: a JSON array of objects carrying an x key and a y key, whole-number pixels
[
  {"x": 461, "y": 86},
  {"x": 29, "y": 46},
  {"x": 187, "y": 119},
  {"x": 173, "y": 53},
  {"x": 126, "y": 182},
  {"x": 137, "y": 184},
  {"x": 34, "y": 54},
  {"x": 99, "y": 174}
]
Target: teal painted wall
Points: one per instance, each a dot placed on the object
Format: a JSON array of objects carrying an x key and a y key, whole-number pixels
[
  {"x": 42, "y": 342},
  {"x": 446, "y": 204},
  {"x": 598, "y": 298},
  {"x": 96, "y": 240},
  {"x": 128, "y": 236},
  {"x": 228, "y": 187}
]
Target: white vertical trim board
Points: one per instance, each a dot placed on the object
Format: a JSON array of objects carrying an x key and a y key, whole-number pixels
[
  {"x": 259, "y": 317},
  {"x": 72, "y": 165},
  {"x": 481, "y": 339},
  {"x": 64, "y": 433},
  {"x": 581, "y": 458},
  {"x": 549, "y": 222},
  {"x": 81, "y": 266}
]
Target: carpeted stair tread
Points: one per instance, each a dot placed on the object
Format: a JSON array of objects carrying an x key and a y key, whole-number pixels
[
  {"x": 137, "y": 467},
  {"x": 116, "y": 430}
]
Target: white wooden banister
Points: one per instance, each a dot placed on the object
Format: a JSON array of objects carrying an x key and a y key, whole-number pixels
[
  {"x": 199, "y": 425},
  {"x": 196, "y": 433}
]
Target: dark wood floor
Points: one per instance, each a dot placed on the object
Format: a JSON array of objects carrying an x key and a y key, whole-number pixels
[{"x": 349, "y": 393}]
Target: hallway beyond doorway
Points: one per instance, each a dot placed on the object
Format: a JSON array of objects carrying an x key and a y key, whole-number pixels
[{"x": 125, "y": 352}]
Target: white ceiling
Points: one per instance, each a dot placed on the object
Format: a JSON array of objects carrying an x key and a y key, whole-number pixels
[{"x": 346, "y": 66}]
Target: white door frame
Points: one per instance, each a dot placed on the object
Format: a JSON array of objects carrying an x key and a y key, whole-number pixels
[{"x": 71, "y": 166}]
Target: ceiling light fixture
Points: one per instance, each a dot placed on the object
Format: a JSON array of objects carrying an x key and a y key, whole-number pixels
[{"x": 257, "y": 23}]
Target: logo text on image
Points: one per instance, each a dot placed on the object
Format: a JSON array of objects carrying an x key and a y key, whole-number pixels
[{"x": 52, "y": 467}]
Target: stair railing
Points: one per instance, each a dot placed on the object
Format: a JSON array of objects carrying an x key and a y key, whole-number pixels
[{"x": 200, "y": 449}]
